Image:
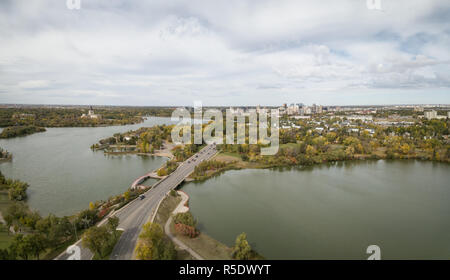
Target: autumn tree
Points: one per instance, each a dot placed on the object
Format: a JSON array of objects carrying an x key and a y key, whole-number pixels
[{"x": 242, "y": 249}]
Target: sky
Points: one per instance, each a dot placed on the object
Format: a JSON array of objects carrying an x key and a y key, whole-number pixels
[{"x": 227, "y": 53}]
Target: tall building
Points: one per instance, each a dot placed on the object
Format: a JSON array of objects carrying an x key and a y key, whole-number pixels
[
  {"x": 431, "y": 114},
  {"x": 91, "y": 114},
  {"x": 293, "y": 109}
]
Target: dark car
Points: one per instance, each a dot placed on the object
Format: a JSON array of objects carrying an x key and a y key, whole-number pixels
[{"x": 142, "y": 196}]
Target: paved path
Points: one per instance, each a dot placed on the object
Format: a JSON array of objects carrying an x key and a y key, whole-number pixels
[{"x": 181, "y": 208}]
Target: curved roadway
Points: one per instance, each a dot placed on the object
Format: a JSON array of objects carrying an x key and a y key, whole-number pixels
[{"x": 135, "y": 214}]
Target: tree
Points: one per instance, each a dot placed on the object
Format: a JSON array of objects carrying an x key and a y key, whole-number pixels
[
  {"x": 37, "y": 244},
  {"x": 126, "y": 195},
  {"x": 22, "y": 246},
  {"x": 185, "y": 218},
  {"x": 86, "y": 219},
  {"x": 113, "y": 223},
  {"x": 60, "y": 230},
  {"x": 152, "y": 246},
  {"x": 405, "y": 148},
  {"x": 18, "y": 190},
  {"x": 242, "y": 250},
  {"x": 96, "y": 239}
]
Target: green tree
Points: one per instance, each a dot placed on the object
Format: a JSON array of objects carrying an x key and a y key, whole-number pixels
[
  {"x": 242, "y": 250},
  {"x": 37, "y": 244},
  {"x": 185, "y": 218},
  {"x": 152, "y": 246},
  {"x": 126, "y": 195},
  {"x": 23, "y": 246},
  {"x": 113, "y": 223},
  {"x": 96, "y": 239}
]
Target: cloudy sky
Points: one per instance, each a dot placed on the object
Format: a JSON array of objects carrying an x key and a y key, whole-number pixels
[{"x": 231, "y": 52}]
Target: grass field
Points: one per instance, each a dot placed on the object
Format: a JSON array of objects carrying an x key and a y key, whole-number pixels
[
  {"x": 205, "y": 246},
  {"x": 5, "y": 238},
  {"x": 4, "y": 201}
]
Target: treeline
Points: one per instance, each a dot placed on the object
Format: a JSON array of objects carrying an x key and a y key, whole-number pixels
[
  {"x": 182, "y": 153},
  {"x": 36, "y": 236},
  {"x": 153, "y": 244},
  {"x": 206, "y": 168},
  {"x": 71, "y": 117},
  {"x": 146, "y": 139},
  {"x": 150, "y": 139},
  {"x": 169, "y": 167},
  {"x": 15, "y": 131},
  {"x": 101, "y": 240},
  {"x": 17, "y": 190}
]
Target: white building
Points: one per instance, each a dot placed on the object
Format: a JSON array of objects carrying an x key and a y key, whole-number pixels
[
  {"x": 362, "y": 118},
  {"x": 293, "y": 109},
  {"x": 431, "y": 114},
  {"x": 91, "y": 114}
]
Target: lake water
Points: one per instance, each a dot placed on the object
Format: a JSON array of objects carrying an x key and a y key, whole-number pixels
[
  {"x": 65, "y": 174},
  {"x": 331, "y": 211}
]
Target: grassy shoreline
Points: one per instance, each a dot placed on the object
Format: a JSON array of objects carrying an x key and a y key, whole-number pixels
[{"x": 206, "y": 246}]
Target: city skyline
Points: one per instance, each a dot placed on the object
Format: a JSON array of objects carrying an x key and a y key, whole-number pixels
[{"x": 120, "y": 53}]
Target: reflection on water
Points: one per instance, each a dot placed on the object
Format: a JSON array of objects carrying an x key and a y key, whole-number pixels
[{"x": 331, "y": 211}]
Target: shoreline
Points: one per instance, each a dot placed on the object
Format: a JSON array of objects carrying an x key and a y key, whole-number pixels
[{"x": 256, "y": 165}]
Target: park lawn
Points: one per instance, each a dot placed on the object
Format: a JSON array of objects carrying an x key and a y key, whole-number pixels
[
  {"x": 236, "y": 162},
  {"x": 204, "y": 245},
  {"x": 164, "y": 211},
  {"x": 227, "y": 157},
  {"x": 166, "y": 208},
  {"x": 107, "y": 251},
  {"x": 4, "y": 202},
  {"x": 5, "y": 238},
  {"x": 289, "y": 145}
]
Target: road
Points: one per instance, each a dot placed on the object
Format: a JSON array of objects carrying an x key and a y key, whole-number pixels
[{"x": 134, "y": 215}]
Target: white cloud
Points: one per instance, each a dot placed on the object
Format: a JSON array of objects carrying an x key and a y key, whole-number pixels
[
  {"x": 33, "y": 84},
  {"x": 223, "y": 52}
]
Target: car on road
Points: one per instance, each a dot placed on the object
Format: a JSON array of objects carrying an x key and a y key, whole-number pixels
[{"x": 142, "y": 196}]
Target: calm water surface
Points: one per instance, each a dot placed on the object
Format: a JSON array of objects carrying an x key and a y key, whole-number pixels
[
  {"x": 65, "y": 175},
  {"x": 328, "y": 212}
]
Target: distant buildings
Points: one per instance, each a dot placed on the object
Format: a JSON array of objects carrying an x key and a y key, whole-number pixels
[
  {"x": 293, "y": 109},
  {"x": 418, "y": 109},
  {"x": 364, "y": 118},
  {"x": 91, "y": 114},
  {"x": 429, "y": 115}
]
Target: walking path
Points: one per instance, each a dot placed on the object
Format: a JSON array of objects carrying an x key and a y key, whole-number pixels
[{"x": 181, "y": 208}]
